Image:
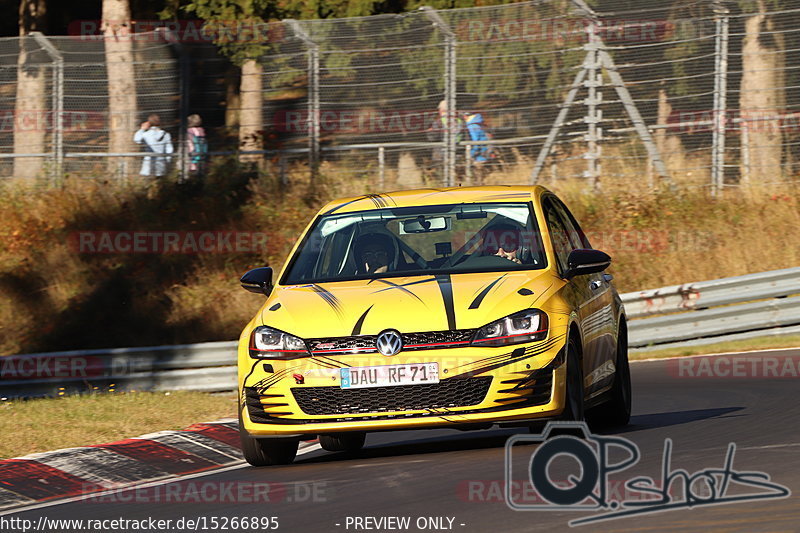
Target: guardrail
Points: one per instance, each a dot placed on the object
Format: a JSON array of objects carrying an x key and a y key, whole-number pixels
[
  {"x": 206, "y": 367},
  {"x": 706, "y": 312}
]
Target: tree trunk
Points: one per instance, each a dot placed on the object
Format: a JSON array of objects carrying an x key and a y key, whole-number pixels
[
  {"x": 669, "y": 146},
  {"x": 122, "y": 106},
  {"x": 251, "y": 122},
  {"x": 762, "y": 96},
  {"x": 232, "y": 101},
  {"x": 31, "y": 113}
]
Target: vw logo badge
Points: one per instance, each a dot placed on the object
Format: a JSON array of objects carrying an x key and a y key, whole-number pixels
[{"x": 389, "y": 342}]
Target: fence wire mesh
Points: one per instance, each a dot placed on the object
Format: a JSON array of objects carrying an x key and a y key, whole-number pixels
[{"x": 696, "y": 93}]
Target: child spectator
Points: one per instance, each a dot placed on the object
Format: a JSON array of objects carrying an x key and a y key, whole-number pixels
[{"x": 196, "y": 147}]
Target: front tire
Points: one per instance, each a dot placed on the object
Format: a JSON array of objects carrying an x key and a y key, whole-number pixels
[
  {"x": 267, "y": 452},
  {"x": 617, "y": 410},
  {"x": 343, "y": 442},
  {"x": 573, "y": 408}
]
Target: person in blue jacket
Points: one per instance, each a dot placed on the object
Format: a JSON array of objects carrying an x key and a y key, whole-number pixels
[{"x": 480, "y": 152}]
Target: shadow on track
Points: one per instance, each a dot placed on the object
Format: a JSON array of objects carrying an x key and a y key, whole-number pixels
[
  {"x": 475, "y": 440},
  {"x": 496, "y": 438},
  {"x": 672, "y": 418}
]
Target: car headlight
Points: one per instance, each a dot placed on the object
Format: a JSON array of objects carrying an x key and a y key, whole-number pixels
[
  {"x": 270, "y": 343},
  {"x": 525, "y": 326}
]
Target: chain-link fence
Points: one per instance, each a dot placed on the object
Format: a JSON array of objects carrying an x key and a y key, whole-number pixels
[
  {"x": 698, "y": 93},
  {"x": 54, "y": 98}
]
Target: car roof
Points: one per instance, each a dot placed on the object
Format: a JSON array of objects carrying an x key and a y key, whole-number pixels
[{"x": 434, "y": 196}]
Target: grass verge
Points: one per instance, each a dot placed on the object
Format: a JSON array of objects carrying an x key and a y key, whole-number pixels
[
  {"x": 766, "y": 343},
  {"x": 51, "y": 423}
]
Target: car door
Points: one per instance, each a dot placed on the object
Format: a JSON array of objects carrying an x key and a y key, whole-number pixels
[
  {"x": 587, "y": 294},
  {"x": 575, "y": 293},
  {"x": 599, "y": 326}
]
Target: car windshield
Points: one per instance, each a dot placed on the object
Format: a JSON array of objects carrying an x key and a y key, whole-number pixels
[{"x": 441, "y": 239}]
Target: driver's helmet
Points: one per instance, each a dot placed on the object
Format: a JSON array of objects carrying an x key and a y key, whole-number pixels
[
  {"x": 375, "y": 240},
  {"x": 506, "y": 235}
]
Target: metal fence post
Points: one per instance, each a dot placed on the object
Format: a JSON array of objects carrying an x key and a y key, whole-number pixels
[
  {"x": 184, "y": 85},
  {"x": 593, "y": 114},
  {"x": 467, "y": 165},
  {"x": 720, "y": 99},
  {"x": 382, "y": 167},
  {"x": 450, "y": 133},
  {"x": 57, "y": 137},
  {"x": 744, "y": 179},
  {"x": 636, "y": 118},
  {"x": 313, "y": 96},
  {"x": 557, "y": 125}
]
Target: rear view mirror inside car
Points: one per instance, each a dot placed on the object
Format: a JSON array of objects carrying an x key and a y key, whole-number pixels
[{"x": 423, "y": 224}]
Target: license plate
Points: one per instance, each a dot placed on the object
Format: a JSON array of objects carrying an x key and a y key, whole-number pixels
[{"x": 361, "y": 377}]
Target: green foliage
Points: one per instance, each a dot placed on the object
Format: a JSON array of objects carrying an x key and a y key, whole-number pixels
[
  {"x": 323, "y": 9},
  {"x": 238, "y": 26}
]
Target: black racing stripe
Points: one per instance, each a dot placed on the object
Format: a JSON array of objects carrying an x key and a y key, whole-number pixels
[
  {"x": 487, "y": 368},
  {"x": 504, "y": 357},
  {"x": 275, "y": 307},
  {"x": 268, "y": 382},
  {"x": 478, "y": 299},
  {"x": 514, "y": 357},
  {"x": 486, "y": 360},
  {"x": 508, "y": 195},
  {"x": 331, "y": 210},
  {"x": 426, "y": 280},
  {"x": 546, "y": 346},
  {"x": 252, "y": 369},
  {"x": 378, "y": 200},
  {"x": 437, "y": 191},
  {"x": 360, "y": 322},
  {"x": 322, "y": 362},
  {"x": 393, "y": 285},
  {"x": 329, "y": 298},
  {"x": 338, "y": 364},
  {"x": 446, "y": 288},
  {"x": 244, "y": 382}
]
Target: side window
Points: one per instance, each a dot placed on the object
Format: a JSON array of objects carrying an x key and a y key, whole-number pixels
[
  {"x": 577, "y": 236},
  {"x": 331, "y": 261},
  {"x": 558, "y": 234}
]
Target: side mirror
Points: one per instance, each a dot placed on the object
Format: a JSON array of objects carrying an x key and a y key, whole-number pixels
[
  {"x": 258, "y": 280},
  {"x": 583, "y": 261}
]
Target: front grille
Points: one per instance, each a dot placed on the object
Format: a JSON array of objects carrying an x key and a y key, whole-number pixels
[
  {"x": 437, "y": 338},
  {"x": 338, "y": 401},
  {"x": 411, "y": 341}
]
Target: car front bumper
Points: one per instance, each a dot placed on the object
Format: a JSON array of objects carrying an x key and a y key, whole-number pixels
[{"x": 477, "y": 386}]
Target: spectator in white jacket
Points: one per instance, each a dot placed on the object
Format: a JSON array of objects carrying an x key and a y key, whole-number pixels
[{"x": 155, "y": 140}]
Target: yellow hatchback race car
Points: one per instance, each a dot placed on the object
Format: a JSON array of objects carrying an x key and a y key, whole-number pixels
[{"x": 434, "y": 308}]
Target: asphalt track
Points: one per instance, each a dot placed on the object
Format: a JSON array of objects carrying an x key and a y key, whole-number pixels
[{"x": 420, "y": 474}]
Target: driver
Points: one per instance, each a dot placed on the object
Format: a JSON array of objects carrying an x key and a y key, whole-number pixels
[
  {"x": 374, "y": 253},
  {"x": 504, "y": 240}
]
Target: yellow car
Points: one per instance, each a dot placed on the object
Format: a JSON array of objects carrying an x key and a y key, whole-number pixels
[{"x": 433, "y": 308}]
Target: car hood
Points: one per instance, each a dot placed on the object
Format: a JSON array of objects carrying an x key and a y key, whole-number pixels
[{"x": 407, "y": 304}]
